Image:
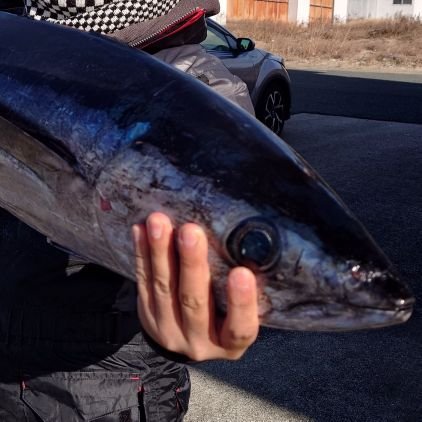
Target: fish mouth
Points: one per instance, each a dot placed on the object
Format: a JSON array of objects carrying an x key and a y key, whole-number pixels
[{"x": 334, "y": 316}]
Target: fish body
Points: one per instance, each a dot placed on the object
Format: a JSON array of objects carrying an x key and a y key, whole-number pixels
[{"x": 94, "y": 136}]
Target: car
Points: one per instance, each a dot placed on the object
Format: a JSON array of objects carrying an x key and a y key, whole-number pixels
[{"x": 264, "y": 73}]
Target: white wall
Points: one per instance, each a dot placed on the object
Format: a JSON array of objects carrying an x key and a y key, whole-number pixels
[
  {"x": 386, "y": 9},
  {"x": 340, "y": 10},
  {"x": 303, "y": 7},
  {"x": 366, "y": 9},
  {"x": 417, "y": 9},
  {"x": 292, "y": 11},
  {"x": 375, "y": 9},
  {"x": 221, "y": 18}
]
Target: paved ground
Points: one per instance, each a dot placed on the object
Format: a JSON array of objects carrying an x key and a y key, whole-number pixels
[
  {"x": 393, "y": 97},
  {"x": 369, "y": 376}
]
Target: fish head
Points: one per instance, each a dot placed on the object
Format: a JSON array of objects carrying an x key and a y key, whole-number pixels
[
  {"x": 303, "y": 285},
  {"x": 316, "y": 265}
]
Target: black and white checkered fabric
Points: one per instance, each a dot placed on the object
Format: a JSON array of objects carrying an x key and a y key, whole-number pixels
[{"x": 103, "y": 16}]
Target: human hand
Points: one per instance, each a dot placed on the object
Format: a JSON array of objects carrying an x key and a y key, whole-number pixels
[{"x": 175, "y": 301}]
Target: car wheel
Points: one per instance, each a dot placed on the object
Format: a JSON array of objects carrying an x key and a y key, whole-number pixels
[{"x": 271, "y": 108}]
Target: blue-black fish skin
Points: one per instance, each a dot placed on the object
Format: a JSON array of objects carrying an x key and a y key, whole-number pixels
[{"x": 134, "y": 136}]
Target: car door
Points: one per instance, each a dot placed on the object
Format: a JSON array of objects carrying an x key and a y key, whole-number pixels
[{"x": 242, "y": 64}]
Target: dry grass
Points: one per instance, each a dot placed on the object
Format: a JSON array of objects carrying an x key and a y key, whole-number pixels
[{"x": 393, "y": 43}]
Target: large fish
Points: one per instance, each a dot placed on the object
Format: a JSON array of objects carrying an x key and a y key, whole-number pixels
[{"x": 94, "y": 136}]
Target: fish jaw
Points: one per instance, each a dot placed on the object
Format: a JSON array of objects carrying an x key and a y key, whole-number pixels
[
  {"x": 334, "y": 317},
  {"x": 340, "y": 299}
]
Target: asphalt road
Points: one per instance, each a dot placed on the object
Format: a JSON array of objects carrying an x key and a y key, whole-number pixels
[
  {"x": 378, "y": 96},
  {"x": 371, "y": 376}
]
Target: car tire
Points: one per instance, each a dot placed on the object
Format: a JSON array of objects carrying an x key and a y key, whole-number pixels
[{"x": 271, "y": 108}]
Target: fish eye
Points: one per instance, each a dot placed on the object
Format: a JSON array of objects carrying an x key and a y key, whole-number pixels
[{"x": 254, "y": 243}]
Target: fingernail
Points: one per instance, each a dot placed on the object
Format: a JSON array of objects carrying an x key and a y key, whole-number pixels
[
  {"x": 188, "y": 237},
  {"x": 241, "y": 279},
  {"x": 155, "y": 228}
]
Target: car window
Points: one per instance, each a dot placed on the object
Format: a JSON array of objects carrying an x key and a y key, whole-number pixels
[{"x": 216, "y": 41}]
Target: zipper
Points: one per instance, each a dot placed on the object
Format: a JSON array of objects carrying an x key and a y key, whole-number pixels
[{"x": 148, "y": 40}]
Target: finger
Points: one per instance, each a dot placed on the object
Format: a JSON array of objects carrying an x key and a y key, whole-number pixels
[
  {"x": 194, "y": 282},
  {"x": 164, "y": 272},
  {"x": 241, "y": 325},
  {"x": 146, "y": 308}
]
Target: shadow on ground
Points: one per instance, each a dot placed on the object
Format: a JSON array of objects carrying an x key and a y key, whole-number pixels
[{"x": 358, "y": 94}]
